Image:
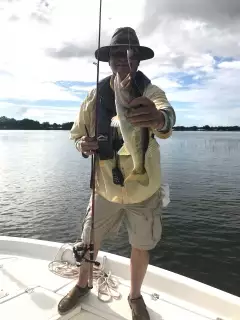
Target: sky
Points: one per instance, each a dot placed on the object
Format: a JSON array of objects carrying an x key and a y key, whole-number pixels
[{"x": 47, "y": 55}]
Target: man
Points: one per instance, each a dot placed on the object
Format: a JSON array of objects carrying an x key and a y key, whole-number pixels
[{"x": 138, "y": 206}]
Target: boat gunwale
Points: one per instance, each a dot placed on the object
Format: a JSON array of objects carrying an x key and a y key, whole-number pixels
[{"x": 180, "y": 287}]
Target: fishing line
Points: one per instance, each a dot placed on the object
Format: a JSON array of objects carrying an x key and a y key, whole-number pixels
[
  {"x": 94, "y": 158},
  {"x": 81, "y": 248}
]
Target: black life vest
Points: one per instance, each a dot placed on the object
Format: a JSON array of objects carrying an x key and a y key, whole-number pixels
[{"x": 107, "y": 141}]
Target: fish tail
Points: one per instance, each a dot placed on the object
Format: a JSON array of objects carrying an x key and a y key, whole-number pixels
[{"x": 142, "y": 178}]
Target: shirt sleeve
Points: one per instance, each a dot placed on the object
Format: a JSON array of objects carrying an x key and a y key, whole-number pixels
[
  {"x": 161, "y": 102},
  {"x": 85, "y": 117}
]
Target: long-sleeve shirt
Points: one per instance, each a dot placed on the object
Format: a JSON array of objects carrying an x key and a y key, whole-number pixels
[{"x": 132, "y": 192}]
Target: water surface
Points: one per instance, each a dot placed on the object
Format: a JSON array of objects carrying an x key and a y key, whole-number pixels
[{"x": 44, "y": 190}]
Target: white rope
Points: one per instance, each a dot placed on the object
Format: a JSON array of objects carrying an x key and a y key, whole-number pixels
[
  {"x": 61, "y": 267},
  {"x": 106, "y": 284},
  {"x": 64, "y": 269}
]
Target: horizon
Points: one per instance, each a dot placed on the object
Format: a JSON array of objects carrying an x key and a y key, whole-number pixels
[
  {"x": 68, "y": 122},
  {"x": 54, "y": 69}
]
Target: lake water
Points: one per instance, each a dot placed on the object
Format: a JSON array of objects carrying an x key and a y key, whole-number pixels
[{"x": 44, "y": 190}]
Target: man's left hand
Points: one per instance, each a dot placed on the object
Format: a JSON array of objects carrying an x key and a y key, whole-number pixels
[{"x": 145, "y": 115}]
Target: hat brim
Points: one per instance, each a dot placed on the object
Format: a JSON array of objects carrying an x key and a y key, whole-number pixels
[{"x": 103, "y": 53}]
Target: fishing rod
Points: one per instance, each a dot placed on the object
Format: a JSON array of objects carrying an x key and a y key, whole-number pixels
[
  {"x": 94, "y": 158},
  {"x": 80, "y": 249}
]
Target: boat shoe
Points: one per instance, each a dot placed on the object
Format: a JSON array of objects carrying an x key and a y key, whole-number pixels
[
  {"x": 139, "y": 309},
  {"x": 71, "y": 300}
]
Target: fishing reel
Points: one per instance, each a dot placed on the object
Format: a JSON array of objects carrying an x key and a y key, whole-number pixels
[{"x": 80, "y": 250}]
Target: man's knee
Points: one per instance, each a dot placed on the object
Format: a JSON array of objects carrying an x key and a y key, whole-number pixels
[
  {"x": 138, "y": 250},
  {"x": 144, "y": 247}
]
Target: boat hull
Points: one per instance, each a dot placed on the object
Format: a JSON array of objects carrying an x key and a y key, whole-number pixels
[{"x": 34, "y": 290}]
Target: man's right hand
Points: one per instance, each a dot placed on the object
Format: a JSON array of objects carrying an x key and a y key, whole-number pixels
[{"x": 87, "y": 145}]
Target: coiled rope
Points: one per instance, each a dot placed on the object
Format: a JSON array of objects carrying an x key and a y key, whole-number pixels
[{"x": 106, "y": 284}]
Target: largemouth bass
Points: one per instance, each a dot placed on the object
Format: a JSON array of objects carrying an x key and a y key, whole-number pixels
[{"x": 135, "y": 139}]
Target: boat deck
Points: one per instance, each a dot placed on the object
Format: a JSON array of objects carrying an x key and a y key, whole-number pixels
[{"x": 33, "y": 292}]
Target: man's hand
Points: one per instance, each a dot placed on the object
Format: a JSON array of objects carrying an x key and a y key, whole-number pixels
[
  {"x": 87, "y": 145},
  {"x": 146, "y": 115}
]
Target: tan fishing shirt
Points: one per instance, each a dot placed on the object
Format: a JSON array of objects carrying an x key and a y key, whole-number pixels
[{"x": 132, "y": 192}]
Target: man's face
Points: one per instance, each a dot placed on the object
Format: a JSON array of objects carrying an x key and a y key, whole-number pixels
[{"x": 119, "y": 63}]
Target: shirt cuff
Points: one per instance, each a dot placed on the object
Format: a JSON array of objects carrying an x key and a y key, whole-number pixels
[
  {"x": 79, "y": 149},
  {"x": 165, "y": 126},
  {"x": 167, "y": 123},
  {"x": 77, "y": 144}
]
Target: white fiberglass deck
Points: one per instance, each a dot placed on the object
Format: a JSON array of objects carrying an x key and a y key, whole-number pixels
[{"x": 33, "y": 292}]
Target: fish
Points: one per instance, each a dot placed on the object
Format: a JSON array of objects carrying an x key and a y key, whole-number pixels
[{"x": 135, "y": 139}]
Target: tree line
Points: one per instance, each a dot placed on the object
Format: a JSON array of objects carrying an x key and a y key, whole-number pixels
[
  {"x": 207, "y": 128},
  {"x": 28, "y": 124}
]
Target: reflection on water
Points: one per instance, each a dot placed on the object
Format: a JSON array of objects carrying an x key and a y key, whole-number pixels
[{"x": 44, "y": 187}]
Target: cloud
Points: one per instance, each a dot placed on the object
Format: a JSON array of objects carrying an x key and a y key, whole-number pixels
[
  {"x": 181, "y": 30},
  {"x": 13, "y": 87},
  {"x": 215, "y": 101},
  {"x": 216, "y": 13},
  {"x": 70, "y": 50},
  {"x": 40, "y": 112},
  {"x": 230, "y": 65},
  {"x": 47, "y": 54},
  {"x": 50, "y": 114},
  {"x": 76, "y": 49}
]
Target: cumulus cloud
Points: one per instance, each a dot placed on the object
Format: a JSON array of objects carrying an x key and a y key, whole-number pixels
[
  {"x": 48, "y": 113},
  {"x": 216, "y": 12},
  {"x": 197, "y": 27},
  {"x": 70, "y": 50},
  {"x": 76, "y": 49},
  {"x": 47, "y": 52},
  {"x": 15, "y": 88},
  {"x": 40, "y": 112}
]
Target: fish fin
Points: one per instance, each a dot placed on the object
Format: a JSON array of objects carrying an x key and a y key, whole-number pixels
[
  {"x": 115, "y": 122},
  {"x": 142, "y": 178},
  {"x": 123, "y": 151}
]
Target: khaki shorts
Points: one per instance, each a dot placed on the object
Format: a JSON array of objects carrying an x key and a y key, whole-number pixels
[{"x": 143, "y": 221}]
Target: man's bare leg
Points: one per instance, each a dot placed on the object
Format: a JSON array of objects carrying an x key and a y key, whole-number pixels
[
  {"x": 139, "y": 264},
  {"x": 84, "y": 269},
  {"x": 138, "y": 268},
  {"x": 80, "y": 290}
]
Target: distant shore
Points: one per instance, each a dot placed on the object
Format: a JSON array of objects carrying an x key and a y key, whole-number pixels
[
  {"x": 28, "y": 124},
  {"x": 207, "y": 128}
]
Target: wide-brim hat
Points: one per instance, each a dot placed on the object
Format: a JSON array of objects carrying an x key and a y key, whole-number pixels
[{"x": 125, "y": 38}]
